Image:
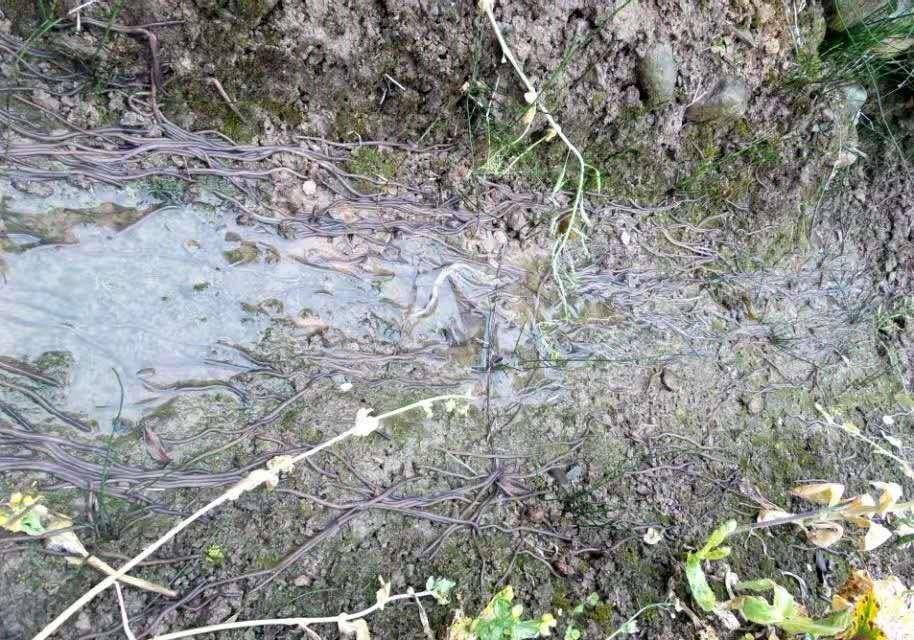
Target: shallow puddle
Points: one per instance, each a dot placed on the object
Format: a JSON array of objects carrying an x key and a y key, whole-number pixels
[{"x": 164, "y": 301}]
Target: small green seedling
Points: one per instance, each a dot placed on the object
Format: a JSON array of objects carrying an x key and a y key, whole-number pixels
[
  {"x": 214, "y": 555},
  {"x": 782, "y": 611},
  {"x": 502, "y": 620}
]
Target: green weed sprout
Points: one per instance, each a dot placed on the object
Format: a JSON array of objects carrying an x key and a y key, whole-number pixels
[{"x": 781, "y": 612}]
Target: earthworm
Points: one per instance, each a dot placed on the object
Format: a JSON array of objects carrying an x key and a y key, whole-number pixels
[
  {"x": 47, "y": 406},
  {"x": 17, "y": 417},
  {"x": 18, "y": 368},
  {"x": 200, "y": 386}
]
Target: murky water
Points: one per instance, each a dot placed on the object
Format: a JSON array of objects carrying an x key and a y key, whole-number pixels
[{"x": 161, "y": 297}]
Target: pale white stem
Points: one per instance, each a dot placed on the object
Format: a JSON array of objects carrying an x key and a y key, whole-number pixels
[
  {"x": 854, "y": 432},
  {"x": 423, "y": 619},
  {"x": 532, "y": 96},
  {"x": 290, "y": 622},
  {"x": 625, "y": 628},
  {"x": 78, "y": 8},
  {"x": 425, "y": 402},
  {"x": 124, "y": 618},
  {"x": 252, "y": 481}
]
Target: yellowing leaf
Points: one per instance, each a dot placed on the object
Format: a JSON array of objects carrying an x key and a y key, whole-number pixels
[
  {"x": 546, "y": 624},
  {"x": 23, "y": 514},
  {"x": 825, "y": 534},
  {"x": 827, "y": 493},
  {"x": 882, "y": 609},
  {"x": 850, "y": 427},
  {"x": 529, "y": 114},
  {"x": 863, "y": 619},
  {"x": 896, "y": 608},
  {"x": 862, "y": 506},
  {"x": 460, "y": 628},
  {"x": 876, "y": 535},
  {"x": 830, "y": 625},
  {"x": 19, "y": 500},
  {"x": 891, "y": 493}
]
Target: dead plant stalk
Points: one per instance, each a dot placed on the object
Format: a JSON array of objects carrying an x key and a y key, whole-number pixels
[
  {"x": 365, "y": 424},
  {"x": 532, "y": 96}
]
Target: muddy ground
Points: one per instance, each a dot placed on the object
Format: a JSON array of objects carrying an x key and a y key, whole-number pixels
[{"x": 360, "y": 233}]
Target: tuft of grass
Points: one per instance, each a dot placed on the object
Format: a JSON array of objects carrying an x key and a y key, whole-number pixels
[
  {"x": 729, "y": 176},
  {"x": 889, "y": 322},
  {"x": 876, "y": 53},
  {"x": 877, "y": 49}
]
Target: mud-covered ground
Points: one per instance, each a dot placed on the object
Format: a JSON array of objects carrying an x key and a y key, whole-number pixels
[{"x": 367, "y": 229}]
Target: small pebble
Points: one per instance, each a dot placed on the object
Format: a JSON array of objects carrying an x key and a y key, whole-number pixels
[{"x": 728, "y": 100}]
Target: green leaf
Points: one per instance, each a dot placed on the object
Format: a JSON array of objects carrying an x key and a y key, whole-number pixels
[
  {"x": 525, "y": 629},
  {"x": 758, "y": 586},
  {"x": 578, "y": 610},
  {"x": 490, "y": 631},
  {"x": 829, "y": 626},
  {"x": 572, "y": 633},
  {"x": 758, "y": 610},
  {"x": 698, "y": 584},
  {"x": 501, "y": 608},
  {"x": 718, "y": 554},
  {"x": 717, "y": 537},
  {"x": 441, "y": 587},
  {"x": 30, "y": 523},
  {"x": 593, "y": 599}
]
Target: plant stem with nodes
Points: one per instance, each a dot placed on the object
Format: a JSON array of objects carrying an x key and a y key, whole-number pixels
[
  {"x": 819, "y": 515},
  {"x": 532, "y": 96},
  {"x": 364, "y": 425},
  {"x": 293, "y": 622}
]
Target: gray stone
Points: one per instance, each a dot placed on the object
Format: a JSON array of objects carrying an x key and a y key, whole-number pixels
[
  {"x": 726, "y": 101},
  {"x": 853, "y": 97},
  {"x": 574, "y": 474},
  {"x": 658, "y": 73},
  {"x": 670, "y": 380},
  {"x": 755, "y": 404}
]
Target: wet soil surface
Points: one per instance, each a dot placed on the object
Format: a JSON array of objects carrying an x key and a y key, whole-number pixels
[{"x": 176, "y": 309}]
